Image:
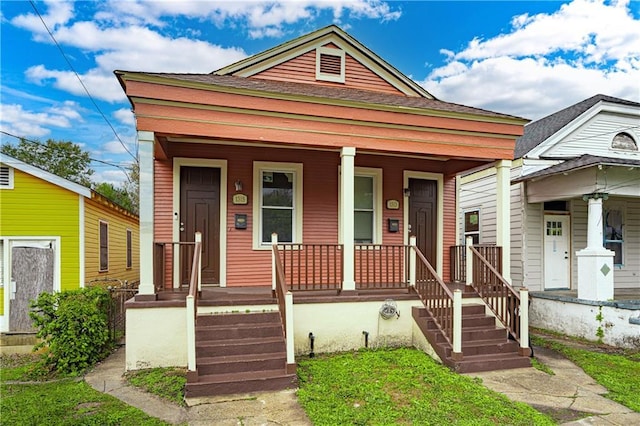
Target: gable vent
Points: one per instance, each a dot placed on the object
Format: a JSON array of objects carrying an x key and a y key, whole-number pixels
[
  {"x": 330, "y": 64},
  {"x": 5, "y": 177}
]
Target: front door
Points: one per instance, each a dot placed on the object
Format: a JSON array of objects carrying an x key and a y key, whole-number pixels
[
  {"x": 423, "y": 216},
  {"x": 32, "y": 273},
  {"x": 557, "y": 259},
  {"x": 200, "y": 212}
]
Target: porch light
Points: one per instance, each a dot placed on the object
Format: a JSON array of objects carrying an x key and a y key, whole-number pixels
[
  {"x": 238, "y": 185},
  {"x": 406, "y": 192}
]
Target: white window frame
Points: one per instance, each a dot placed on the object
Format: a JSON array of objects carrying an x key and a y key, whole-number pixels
[
  {"x": 378, "y": 212},
  {"x": 330, "y": 52},
  {"x": 100, "y": 269},
  {"x": 466, "y": 233},
  {"x": 267, "y": 166},
  {"x": 623, "y": 212},
  {"x": 10, "y": 184}
]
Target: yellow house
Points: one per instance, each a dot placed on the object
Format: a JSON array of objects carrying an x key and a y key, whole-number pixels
[{"x": 57, "y": 235}]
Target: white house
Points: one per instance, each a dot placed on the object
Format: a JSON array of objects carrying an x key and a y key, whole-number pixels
[{"x": 575, "y": 212}]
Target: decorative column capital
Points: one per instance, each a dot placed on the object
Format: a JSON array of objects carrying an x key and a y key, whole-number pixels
[{"x": 596, "y": 196}]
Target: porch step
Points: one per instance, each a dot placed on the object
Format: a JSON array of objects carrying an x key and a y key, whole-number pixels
[
  {"x": 239, "y": 353},
  {"x": 485, "y": 347}
]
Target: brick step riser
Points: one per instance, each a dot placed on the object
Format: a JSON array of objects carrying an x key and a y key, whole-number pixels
[
  {"x": 498, "y": 348},
  {"x": 238, "y": 319},
  {"x": 483, "y": 334},
  {"x": 207, "y": 335},
  {"x": 228, "y": 388},
  {"x": 492, "y": 365},
  {"x": 242, "y": 366},
  {"x": 240, "y": 349}
]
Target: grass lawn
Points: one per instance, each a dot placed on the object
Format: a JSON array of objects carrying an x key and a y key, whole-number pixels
[
  {"x": 65, "y": 401},
  {"x": 401, "y": 386}
]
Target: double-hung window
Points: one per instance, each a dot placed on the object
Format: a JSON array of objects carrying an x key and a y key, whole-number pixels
[
  {"x": 472, "y": 225},
  {"x": 104, "y": 246},
  {"x": 367, "y": 206},
  {"x": 613, "y": 238},
  {"x": 278, "y": 202}
]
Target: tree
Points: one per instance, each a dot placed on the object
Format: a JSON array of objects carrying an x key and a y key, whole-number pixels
[
  {"x": 62, "y": 158},
  {"x": 132, "y": 185}
]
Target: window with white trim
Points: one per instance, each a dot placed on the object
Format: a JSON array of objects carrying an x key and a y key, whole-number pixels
[
  {"x": 104, "y": 246},
  {"x": 129, "y": 249},
  {"x": 472, "y": 225},
  {"x": 613, "y": 238},
  {"x": 367, "y": 206},
  {"x": 277, "y": 202},
  {"x": 6, "y": 177}
]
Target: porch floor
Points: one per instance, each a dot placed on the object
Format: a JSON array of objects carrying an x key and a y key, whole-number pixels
[{"x": 627, "y": 297}]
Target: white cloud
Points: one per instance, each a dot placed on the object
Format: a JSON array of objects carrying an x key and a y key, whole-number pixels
[
  {"x": 125, "y": 116},
  {"x": 15, "y": 120},
  {"x": 547, "y": 61},
  {"x": 114, "y": 147}
]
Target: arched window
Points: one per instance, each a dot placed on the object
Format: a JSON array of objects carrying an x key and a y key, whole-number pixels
[{"x": 624, "y": 141}]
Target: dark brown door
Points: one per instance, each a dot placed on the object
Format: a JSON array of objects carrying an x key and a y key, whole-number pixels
[
  {"x": 200, "y": 212},
  {"x": 423, "y": 215}
]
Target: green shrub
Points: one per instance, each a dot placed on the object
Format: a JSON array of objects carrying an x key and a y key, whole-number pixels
[{"x": 74, "y": 328}]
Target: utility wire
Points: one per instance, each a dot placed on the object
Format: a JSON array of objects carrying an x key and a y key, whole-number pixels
[
  {"x": 80, "y": 80},
  {"x": 45, "y": 146}
]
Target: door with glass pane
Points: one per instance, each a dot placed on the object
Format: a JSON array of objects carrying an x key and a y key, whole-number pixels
[{"x": 556, "y": 252}]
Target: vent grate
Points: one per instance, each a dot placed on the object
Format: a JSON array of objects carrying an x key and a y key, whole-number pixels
[
  {"x": 5, "y": 177},
  {"x": 330, "y": 64}
]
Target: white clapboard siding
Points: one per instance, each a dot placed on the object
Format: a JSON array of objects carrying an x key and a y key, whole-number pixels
[
  {"x": 578, "y": 235},
  {"x": 595, "y": 137},
  {"x": 480, "y": 194}
]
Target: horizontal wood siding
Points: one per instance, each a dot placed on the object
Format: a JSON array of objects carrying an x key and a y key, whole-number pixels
[
  {"x": 302, "y": 69},
  {"x": 579, "y": 213},
  {"x": 629, "y": 275},
  {"x": 595, "y": 137},
  {"x": 532, "y": 242},
  {"x": 163, "y": 211},
  {"x": 517, "y": 233},
  {"x": 480, "y": 194},
  {"x": 35, "y": 207},
  {"x": 118, "y": 223},
  {"x": 246, "y": 266},
  {"x": 449, "y": 218}
]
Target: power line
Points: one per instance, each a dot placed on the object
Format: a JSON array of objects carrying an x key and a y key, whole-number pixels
[
  {"x": 124, "y": 169},
  {"x": 80, "y": 80}
]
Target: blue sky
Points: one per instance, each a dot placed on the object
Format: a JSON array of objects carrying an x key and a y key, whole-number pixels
[{"x": 518, "y": 57}]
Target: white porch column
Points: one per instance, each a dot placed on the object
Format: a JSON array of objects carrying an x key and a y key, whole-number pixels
[
  {"x": 346, "y": 193},
  {"x": 503, "y": 214},
  {"x": 595, "y": 263},
  {"x": 145, "y": 143}
]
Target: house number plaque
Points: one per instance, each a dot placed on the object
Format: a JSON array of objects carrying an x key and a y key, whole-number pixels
[{"x": 240, "y": 199}]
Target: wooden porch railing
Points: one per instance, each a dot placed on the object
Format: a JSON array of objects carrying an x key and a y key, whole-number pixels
[
  {"x": 195, "y": 280},
  {"x": 444, "y": 305},
  {"x": 163, "y": 252},
  {"x": 381, "y": 266},
  {"x": 285, "y": 302},
  {"x": 312, "y": 266},
  {"x": 492, "y": 253},
  {"x": 501, "y": 298}
]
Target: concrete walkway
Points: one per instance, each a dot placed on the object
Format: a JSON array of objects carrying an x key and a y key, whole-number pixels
[
  {"x": 268, "y": 408},
  {"x": 570, "y": 395}
]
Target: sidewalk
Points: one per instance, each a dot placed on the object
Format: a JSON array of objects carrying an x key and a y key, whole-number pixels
[
  {"x": 570, "y": 395},
  {"x": 269, "y": 408}
]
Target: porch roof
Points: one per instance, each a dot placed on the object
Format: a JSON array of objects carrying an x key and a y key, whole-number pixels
[{"x": 578, "y": 163}]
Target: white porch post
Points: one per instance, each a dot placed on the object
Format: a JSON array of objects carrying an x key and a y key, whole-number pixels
[
  {"x": 346, "y": 190},
  {"x": 468, "y": 255},
  {"x": 524, "y": 322},
  {"x": 595, "y": 263},
  {"x": 503, "y": 215},
  {"x": 145, "y": 149}
]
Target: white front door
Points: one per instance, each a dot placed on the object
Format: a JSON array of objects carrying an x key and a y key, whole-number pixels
[{"x": 557, "y": 256}]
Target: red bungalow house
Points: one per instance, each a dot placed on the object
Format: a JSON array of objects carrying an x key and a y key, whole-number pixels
[{"x": 324, "y": 143}]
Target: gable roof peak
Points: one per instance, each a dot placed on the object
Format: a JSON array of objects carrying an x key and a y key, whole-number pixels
[
  {"x": 542, "y": 129},
  {"x": 310, "y": 41}
]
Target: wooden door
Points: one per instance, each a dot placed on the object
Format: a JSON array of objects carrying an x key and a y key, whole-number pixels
[
  {"x": 423, "y": 216},
  {"x": 32, "y": 273},
  {"x": 557, "y": 256},
  {"x": 200, "y": 212}
]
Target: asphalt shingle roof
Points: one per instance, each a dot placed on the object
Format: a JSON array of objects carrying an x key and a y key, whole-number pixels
[
  {"x": 338, "y": 93},
  {"x": 540, "y": 130}
]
